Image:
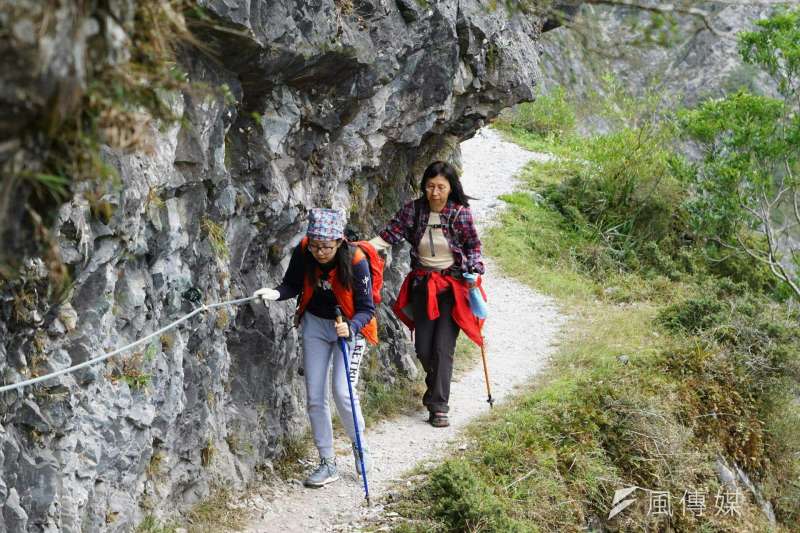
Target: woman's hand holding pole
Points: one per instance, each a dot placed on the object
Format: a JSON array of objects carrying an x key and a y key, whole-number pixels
[{"x": 342, "y": 329}]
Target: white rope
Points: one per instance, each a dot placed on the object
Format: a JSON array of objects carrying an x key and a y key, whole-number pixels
[{"x": 90, "y": 362}]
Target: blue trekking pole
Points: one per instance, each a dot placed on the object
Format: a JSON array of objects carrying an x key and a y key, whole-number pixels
[{"x": 343, "y": 347}]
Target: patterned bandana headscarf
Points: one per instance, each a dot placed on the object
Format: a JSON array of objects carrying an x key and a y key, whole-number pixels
[{"x": 325, "y": 224}]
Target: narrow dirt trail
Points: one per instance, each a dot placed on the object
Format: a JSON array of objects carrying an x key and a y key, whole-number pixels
[{"x": 521, "y": 332}]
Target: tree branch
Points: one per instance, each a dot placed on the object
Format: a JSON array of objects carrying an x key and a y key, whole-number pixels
[
  {"x": 787, "y": 228},
  {"x": 796, "y": 205},
  {"x": 766, "y": 213},
  {"x": 793, "y": 185},
  {"x": 777, "y": 200},
  {"x": 750, "y": 210},
  {"x": 743, "y": 247},
  {"x": 774, "y": 264},
  {"x": 704, "y": 16}
]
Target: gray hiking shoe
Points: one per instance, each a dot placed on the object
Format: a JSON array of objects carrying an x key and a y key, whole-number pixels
[
  {"x": 324, "y": 474},
  {"x": 367, "y": 458}
]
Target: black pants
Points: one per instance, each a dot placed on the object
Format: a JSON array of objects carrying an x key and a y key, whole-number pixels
[{"x": 435, "y": 343}]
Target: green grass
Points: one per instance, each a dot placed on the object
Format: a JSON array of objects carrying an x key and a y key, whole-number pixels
[
  {"x": 150, "y": 524},
  {"x": 636, "y": 395},
  {"x": 467, "y": 355},
  {"x": 530, "y": 141},
  {"x": 293, "y": 448},
  {"x": 216, "y": 513},
  {"x": 550, "y": 114},
  {"x": 526, "y": 229},
  {"x": 381, "y": 399},
  {"x": 537, "y": 246},
  {"x": 553, "y": 457}
]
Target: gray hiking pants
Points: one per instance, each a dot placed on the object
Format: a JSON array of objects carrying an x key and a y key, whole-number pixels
[{"x": 320, "y": 345}]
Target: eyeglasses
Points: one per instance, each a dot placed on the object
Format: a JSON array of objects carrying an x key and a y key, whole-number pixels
[
  {"x": 316, "y": 248},
  {"x": 440, "y": 188}
]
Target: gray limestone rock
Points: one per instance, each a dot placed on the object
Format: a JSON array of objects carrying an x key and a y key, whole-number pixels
[
  {"x": 14, "y": 516},
  {"x": 682, "y": 60},
  {"x": 290, "y": 104}
]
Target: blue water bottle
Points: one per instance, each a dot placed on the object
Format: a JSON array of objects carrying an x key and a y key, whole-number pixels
[{"x": 476, "y": 302}]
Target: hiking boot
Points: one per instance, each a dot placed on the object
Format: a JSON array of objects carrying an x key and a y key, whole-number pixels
[
  {"x": 367, "y": 459},
  {"x": 438, "y": 420},
  {"x": 324, "y": 474}
]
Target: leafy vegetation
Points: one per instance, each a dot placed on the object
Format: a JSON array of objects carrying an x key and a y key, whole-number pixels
[
  {"x": 151, "y": 525},
  {"x": 293, "y": 449},
  {"x": 658, "y": 380},
  {"x": 549, "y": 115},
  {"x": 748, "y": 179}
]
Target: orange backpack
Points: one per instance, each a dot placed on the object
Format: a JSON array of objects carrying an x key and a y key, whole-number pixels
[{"x": 376, "y": 264}]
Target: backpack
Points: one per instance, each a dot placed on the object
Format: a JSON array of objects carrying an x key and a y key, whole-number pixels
[{"x": 375, "y": 262}]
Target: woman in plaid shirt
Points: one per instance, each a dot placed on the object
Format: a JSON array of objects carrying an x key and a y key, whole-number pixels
[{"x": 433, "y": 299}]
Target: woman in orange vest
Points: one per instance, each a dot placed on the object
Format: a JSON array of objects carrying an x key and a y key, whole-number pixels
[
  {"x": 445, "y": 263},
  {"x": 325, "y": 271}
]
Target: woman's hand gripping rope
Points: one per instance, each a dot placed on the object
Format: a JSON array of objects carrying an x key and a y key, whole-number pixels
[{"x": 267, "y": 295}]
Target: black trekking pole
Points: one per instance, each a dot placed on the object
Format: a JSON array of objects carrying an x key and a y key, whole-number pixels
[{"x": 343, "y": 347}]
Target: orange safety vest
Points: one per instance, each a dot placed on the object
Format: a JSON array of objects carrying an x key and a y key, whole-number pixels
[{"x": 343, "y": 295}]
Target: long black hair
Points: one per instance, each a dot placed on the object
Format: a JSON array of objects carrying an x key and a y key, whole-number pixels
[
  {"x": 448, "y": 171},
  {"x": 343, "y": 261}
]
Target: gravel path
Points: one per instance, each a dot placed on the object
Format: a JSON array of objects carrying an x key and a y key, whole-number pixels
[{"x": 521, "y": 332}]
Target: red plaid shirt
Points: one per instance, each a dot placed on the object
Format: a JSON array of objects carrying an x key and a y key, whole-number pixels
[{"x": 459, "y": 230}]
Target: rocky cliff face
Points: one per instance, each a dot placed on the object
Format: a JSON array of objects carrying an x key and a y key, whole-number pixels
[
  {"x": 288, "y": 105},
  {"x": 673, "y": 55}
]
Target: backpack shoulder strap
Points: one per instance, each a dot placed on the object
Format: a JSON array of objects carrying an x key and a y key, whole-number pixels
[
  {"x": 455, "y": 217},
  {"x": 417, "y": 209},
  {"x": 358, "y": 253},
  {"x": 376, "y": 264}
]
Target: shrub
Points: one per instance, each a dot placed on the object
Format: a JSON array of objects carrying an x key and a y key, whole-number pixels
[
  {"x": 740, "y": 369},
  {"x": 628, "y": 197},
  {"x": 692, "y": 315},
  {"x": 464, "y": 502},
  {"x": 550, "y": 114}
]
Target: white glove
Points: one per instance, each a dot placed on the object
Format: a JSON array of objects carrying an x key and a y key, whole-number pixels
[{"x": 267, "y": 294}]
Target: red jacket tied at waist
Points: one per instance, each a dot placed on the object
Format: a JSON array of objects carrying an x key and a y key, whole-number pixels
[{"x": 438, "y": 283}]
